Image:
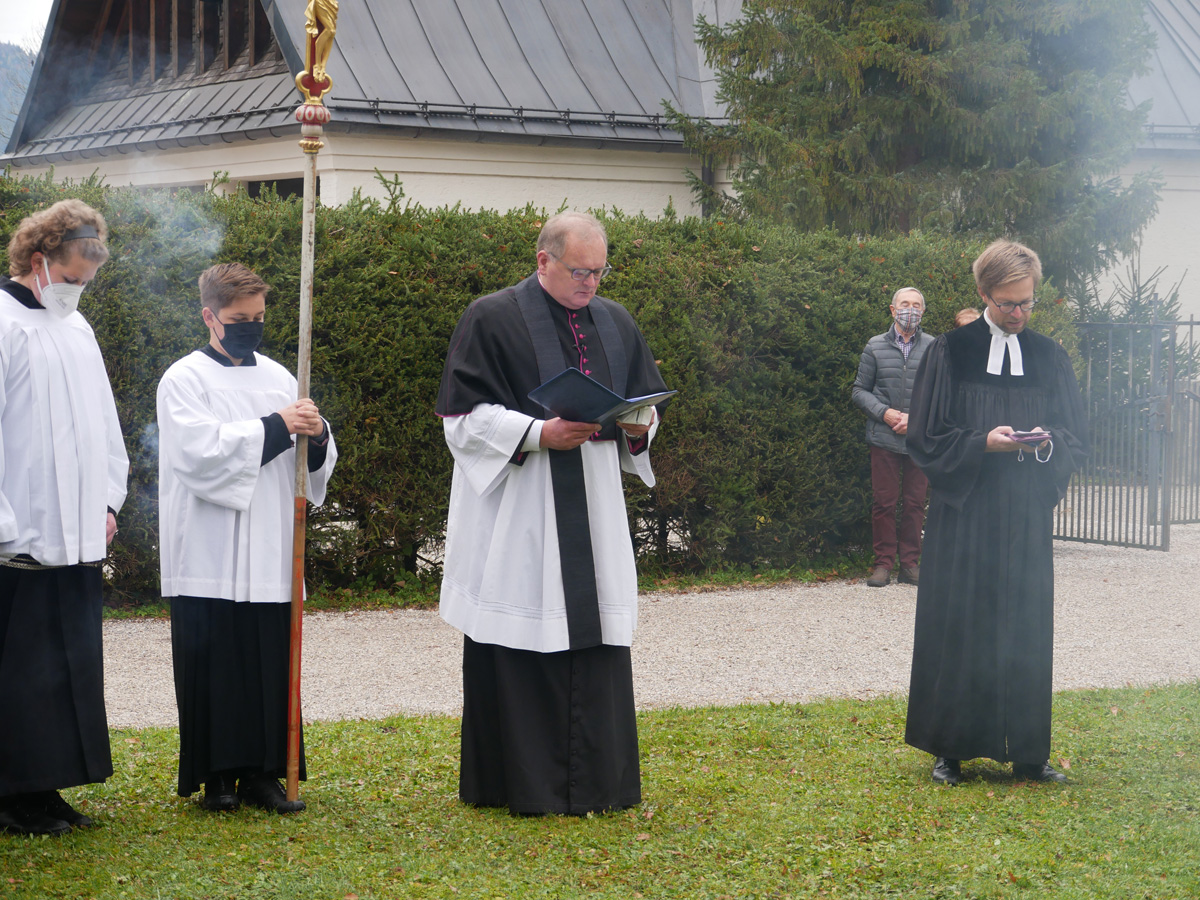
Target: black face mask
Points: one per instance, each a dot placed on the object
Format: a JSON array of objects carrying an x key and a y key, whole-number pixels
[{"x": 241, "y": 338}]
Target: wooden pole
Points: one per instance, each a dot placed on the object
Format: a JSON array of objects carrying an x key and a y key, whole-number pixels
[
  {"x": 299, "y": 527},
  {"x": 313, "y": 83}
]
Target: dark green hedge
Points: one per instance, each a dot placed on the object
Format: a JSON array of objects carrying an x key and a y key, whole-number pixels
[{"x": 761, "y": 460}]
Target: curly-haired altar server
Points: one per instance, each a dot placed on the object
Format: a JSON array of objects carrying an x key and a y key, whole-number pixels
[{"x": 62, "y": 479}]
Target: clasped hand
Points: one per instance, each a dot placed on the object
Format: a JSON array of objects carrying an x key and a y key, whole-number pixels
[
  {"x": 303, "y": 417},
  {"x": 896, "y": 420}
]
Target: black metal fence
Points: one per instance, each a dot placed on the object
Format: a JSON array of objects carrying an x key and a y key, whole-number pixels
[{"x": 1142, "y": 389}]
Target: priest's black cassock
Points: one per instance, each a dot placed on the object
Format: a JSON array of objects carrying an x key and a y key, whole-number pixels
[
  {"x": 539, "y": 570},
  {"x": 983, "y": 646}
]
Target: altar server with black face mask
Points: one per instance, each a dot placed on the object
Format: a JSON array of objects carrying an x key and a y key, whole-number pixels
[
  {"x": 226, "y": 417},
  {"x": 63, "y": 469}
]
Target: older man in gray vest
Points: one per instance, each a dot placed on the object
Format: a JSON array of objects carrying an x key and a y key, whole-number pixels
[{"x": 883, "y": 390}]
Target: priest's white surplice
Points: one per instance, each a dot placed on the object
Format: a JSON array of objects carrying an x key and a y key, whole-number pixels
[
  {"x": 225, "y": 519},
  {"x": 503, "y": 580},
  {"x": 63, "y": 463}
]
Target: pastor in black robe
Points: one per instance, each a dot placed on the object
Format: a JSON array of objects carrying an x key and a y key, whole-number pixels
[{"x": 983, "y": 646}]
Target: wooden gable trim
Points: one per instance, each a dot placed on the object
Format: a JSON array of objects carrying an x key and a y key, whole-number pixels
[
  {"x": 98, "y": 31},
  {"x": 155, "y": 39}
]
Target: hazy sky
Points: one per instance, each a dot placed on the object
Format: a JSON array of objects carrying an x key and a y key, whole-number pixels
[{"x": 22, "y": 19}]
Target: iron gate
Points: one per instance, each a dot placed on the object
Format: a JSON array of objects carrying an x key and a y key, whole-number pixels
[{"x": 1141, "y": 387}]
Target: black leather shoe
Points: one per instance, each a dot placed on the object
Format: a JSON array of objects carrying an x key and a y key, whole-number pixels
[
  {"x": 219, "y": 794},
  {"x": 947, "y": 771},
  {"x": 53, "y": 805},
  {"x": 20, "y": 817},
  {"x": 266, "y": 793},
  {"x": 1038, "y": 772}
]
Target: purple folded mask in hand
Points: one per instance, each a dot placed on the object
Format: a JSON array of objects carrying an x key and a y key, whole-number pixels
[{"x": 1030, "y": 437}]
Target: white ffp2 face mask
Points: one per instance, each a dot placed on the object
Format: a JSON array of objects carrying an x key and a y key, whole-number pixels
[{"x": 59, "y": 299}]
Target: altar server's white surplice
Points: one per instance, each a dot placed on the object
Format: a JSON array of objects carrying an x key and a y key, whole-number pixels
[
  {"x": 63, "y": 462},
  {"x": 226, "y": 519}
]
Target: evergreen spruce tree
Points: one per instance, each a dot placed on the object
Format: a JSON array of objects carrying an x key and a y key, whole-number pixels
[{"x": 976, "y": 117}]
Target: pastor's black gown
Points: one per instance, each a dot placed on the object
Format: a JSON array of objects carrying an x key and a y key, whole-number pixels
[{"x": 983, "y": 645}]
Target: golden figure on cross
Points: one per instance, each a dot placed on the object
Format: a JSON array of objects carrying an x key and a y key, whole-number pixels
[{"x": 320, "y": 26}]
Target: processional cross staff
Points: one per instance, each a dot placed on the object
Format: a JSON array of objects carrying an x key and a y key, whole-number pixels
[{"x": 314, "y": 83}]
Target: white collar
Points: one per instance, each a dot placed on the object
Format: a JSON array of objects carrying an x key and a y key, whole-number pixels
[{"x": 1001, "y": 340}]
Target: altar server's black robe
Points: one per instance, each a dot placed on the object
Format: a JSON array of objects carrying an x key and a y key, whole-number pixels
[{"x": 983, "y": 648}]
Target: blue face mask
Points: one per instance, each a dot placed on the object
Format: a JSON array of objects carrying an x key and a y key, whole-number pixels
[{"x": 241, "y": 338}]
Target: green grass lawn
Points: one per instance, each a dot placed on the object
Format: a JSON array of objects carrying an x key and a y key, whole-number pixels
[{"x": 810, "y": 800}]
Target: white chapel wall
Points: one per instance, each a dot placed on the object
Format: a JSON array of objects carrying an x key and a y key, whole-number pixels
[
  {"x": 1172, "y": 239},
  {"x": 433, "y": 173}
]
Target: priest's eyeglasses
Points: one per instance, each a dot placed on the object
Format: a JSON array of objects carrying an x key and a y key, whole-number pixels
[
  {"x": 582, "y": 274},
  {"x": 1009, "y": 308}
]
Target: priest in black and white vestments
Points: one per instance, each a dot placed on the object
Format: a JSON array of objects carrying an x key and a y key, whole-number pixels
[
  {"x": 984, "y": 635},
  {"x": 63, "y": 474},
  {"x": 226, "y": 417},
  {"x": 539, "y": 568}
]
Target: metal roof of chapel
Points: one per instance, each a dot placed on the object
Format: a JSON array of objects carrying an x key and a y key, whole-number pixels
[
  {"x": 591, "y": 72},
  {"x": 570, "y": 72}
]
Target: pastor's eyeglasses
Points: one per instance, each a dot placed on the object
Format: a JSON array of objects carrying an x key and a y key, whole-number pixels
[
  {"x": 582, "y": 274},
  {"x": 1009, "y": 308}
]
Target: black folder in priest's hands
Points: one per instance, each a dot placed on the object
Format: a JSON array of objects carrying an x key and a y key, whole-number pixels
[{"x": 574, "y": 396}]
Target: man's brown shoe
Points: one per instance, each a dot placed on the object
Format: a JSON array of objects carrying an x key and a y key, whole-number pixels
[
  {"x": 879, "y": 577},
  {"x": 908, "y": 576}
]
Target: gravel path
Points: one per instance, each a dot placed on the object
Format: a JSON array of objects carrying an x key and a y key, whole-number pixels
[{"x": 1122, "y": 617}]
